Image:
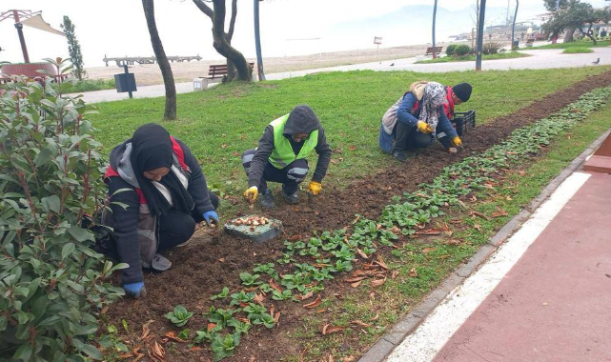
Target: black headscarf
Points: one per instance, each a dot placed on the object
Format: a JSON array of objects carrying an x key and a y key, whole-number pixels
[{"x": 152, "y": 149}]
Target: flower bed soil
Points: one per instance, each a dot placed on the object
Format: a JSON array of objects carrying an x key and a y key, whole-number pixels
[{"x": 204, "y": 268}]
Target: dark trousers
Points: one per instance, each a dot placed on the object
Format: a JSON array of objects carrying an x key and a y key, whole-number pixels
[
  {"x": 290, "y": 177},
  {"x": 409, "y": 138},
  {"x": 176, "y": 227}
]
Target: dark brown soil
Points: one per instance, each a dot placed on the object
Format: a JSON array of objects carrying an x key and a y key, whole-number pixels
[{"x": 204, "y": 268}]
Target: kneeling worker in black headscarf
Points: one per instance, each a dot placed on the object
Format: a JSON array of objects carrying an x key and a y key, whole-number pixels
[
  {"x": 167, "y": 195},
  {"x": 281, "y": 157}
]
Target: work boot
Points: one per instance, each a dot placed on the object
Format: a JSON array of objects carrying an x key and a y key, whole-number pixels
[
  {"x": 400, "y": 156},
  {"x": 159, "y": 263},
  {"x": 267, "y": 199},
  {"x": 290, "y": 199}
]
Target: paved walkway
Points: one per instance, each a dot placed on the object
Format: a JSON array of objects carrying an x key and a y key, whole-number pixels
[
  {"x": 539, "y": 59},
  {"x": 544, "y": 295}
]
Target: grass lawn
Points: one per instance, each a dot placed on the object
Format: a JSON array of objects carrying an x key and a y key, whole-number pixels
[
  {"x": 219, "y": 124},
  {"x": 471, "y": 58},
  {"x": 576, "y": 50},
  {"x": 575, "y": 44}
]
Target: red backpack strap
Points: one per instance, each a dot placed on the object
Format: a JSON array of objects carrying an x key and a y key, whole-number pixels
[
  {"x": 180, "y": 154},
  {"x": 110, "y": 172},
  {"x": 416, "y": 107}
]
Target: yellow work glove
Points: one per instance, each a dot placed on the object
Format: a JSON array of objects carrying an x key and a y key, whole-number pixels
[
  {"x": 457, "y": 142},
  {"x": 251, "y": 194},
  {"x": 424, "y": 127},
  {"x": 314, "y": 187}
]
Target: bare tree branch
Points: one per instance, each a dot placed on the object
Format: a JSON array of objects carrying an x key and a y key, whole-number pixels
[
  {"x": 204, "y": 8},
  {"x": 234, "y": 15}
]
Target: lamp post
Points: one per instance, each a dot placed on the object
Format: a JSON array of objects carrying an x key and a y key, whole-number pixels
[
  {"x": 434, "y": 19},
  {"x": 480, "y": 35},
  {"x": 513, "y": 28},
  {"x": 258, "y": 42}
]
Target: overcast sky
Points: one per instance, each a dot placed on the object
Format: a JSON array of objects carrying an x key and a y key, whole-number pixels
[{"x": 118, "y": 27}]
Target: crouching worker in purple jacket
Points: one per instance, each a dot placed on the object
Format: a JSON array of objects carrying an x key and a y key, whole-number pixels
[{"x": 158, "y": 193}]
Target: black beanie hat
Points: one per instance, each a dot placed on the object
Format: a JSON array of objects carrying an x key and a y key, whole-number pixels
[{"x": 463, "y": 91}]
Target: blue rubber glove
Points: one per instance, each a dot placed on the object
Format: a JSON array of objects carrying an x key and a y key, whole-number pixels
[
  {"x": 135, "y": 290},
  {"x": 211, "y": 216}
]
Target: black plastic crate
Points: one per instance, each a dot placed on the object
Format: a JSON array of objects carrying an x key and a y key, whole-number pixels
[{"x": 463, "y": 121}]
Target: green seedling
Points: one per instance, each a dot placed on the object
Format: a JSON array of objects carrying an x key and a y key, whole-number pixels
[
  {"x": 242, "y": 297},
  {"x": 249, "y": 280},
  {"x": 219, "y": 316},
  {"x": 284, "y": 295},
  {"x": 224, "y": 347},
  {"x": 239, "y": 327},
  {"x": 221, "y": 295},
  {"x": 180, "y": 316},
  {"x": 184, "y": 334}
]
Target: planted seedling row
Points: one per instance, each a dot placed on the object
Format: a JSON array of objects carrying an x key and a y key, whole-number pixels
[{"x": 308, "y": 265}]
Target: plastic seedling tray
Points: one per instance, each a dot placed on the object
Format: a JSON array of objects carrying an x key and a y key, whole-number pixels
[{"x": 260, "y": 233}]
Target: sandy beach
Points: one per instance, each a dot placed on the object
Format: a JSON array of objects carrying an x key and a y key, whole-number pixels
[{"x": 149, "y": 74}]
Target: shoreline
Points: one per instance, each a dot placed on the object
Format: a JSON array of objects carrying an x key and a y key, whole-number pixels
[{"x": 149, "y": 74}]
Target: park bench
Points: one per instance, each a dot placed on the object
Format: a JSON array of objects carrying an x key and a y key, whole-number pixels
[
  {"x": 215, "y": 72},
  {"x": 530, "y": 42},
  {"x": 429, "y": 51},
  {"x": 462, "y": 121}
]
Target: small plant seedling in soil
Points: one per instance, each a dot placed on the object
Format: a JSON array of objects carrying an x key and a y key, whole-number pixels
[
  {"x": 224, "y": 347},
  {"x": 221, "y": 295},
  {"x": 179, "y": 316}
]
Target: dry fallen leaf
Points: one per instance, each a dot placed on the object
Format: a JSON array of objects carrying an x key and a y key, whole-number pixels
[
  {"x": 274, "y": 285},
  {"x": 430, "y": 232},
  {"x": 360, "y": 323},
  {"x": 315, "y": 303},
  {"x": 372, "y": 296},
  {"x": 456, "y": 221},
  {"x": 145, "y": 330},
  {"x": 413, "y": 273},
  {"x": 499, "y": 213},
  {"x": 329, "y": 329},
  {"x": 349, "y": 359},
  {"x": 378, "y": 282},
  {"x": 509, "y": 198},
  {"x": 171, "y": 335},
  {"x": 259, "y": 298},
  {"x": 352, "y": 147},
  {"x": 308, "y": 295},
  {"x": 362, "y": 253},
  {"x": 221, "y": 260},
  {"x": 158, "y": 351},
  {"x": 354, "y": 280},
  {"x": 479, "y": 214},
  {"x": 478, "y": 227},
  {"x": 277, "y": 317},
  {"x": 427, "y": 250},
  {"x": 376, "y": 317},
  {"x": 356, "y": 284},
  {"x": 381, "y": 263},
  {"x": 394, "y": 274},
  {"x": 210, "y": 326},
  {"x": 195, "y": 349}
]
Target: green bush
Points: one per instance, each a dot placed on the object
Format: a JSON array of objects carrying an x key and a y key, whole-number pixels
[
  {"x": 462, "y": 50},
  {"x": 491, "y": 48},
  {"x": 87, "y": 85},
  {"x": 450, "y": 49},
  {"x": 52, "y": 283}
]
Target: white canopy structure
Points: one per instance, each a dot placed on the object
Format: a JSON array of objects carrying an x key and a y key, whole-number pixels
[{"x": 39, "y": 23}]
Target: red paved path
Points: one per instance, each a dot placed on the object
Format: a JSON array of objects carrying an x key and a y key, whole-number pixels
[{"x": 555, "y": 303}]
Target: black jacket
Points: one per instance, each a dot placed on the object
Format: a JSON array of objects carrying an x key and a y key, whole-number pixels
[{"x": 125, "y": 220}]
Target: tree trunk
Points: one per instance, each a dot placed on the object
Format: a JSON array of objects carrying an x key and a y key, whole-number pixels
[
  {"x": 568, "y": 36},
  {"x": 162, "y": 60},
  {"x": 223, "y": 47}
]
